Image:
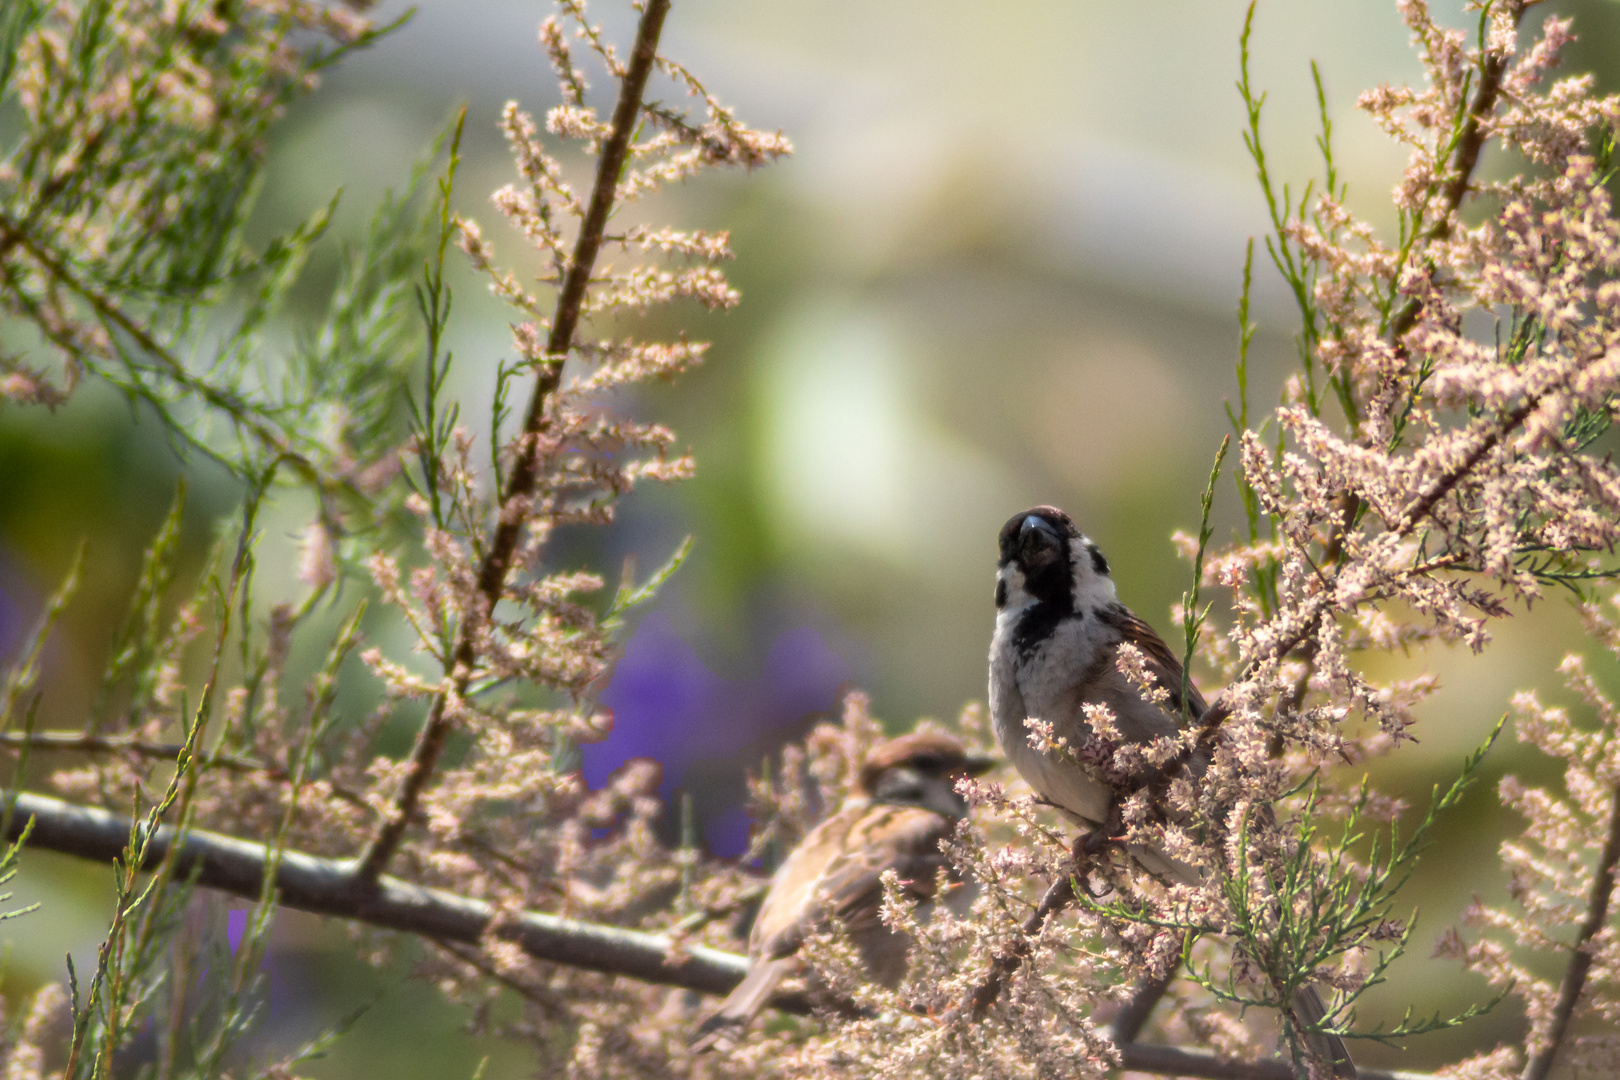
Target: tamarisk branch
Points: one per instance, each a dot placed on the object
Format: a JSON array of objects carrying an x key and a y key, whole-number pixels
[
  {"x": 320, "y": 886},
  {"x": 492, "y": 574},
  {"x": 323, "y": 887}
]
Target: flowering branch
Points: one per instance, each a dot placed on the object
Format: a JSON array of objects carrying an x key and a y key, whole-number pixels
[
  {"x": 1580, "y": 961},
  {"x": 1465, "y": 159},
  {"x": 1493, "y": 65},
  {"x": 520, "y": 485},
  {"x": 1299, "y": 249}
]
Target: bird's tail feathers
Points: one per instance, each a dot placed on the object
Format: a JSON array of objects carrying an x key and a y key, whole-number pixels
[
  {"x": 1311, "y": 1012},
  {"x": 728, "y": 1021}
]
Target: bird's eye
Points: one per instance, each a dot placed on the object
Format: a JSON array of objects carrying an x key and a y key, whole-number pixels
[
  {"x": 903, "y": 786},
  {"x": 928, "y": 764}
]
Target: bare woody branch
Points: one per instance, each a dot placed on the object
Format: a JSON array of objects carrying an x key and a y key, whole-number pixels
[
  {"x": 521, "y": 482},
  {"x": 323, "y": 887},
  {"x": 1172, "y": 1061}
]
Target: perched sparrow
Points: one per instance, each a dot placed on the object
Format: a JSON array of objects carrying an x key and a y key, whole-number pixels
[
  {"x": 1059, "y": 626},
  {"x": 906, "y": 804}
]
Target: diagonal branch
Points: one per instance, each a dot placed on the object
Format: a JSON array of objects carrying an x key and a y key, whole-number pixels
[
  {"x": 1464, "y": 160},
  {"x": 1059, "y": 896},
  {"x": 435, "y": 733},
  {"x": 1580, "y": 963},
  {"x": 320, "y": 886}
]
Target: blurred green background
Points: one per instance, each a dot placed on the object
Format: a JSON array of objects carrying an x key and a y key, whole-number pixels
[{"x": 1001, "y": 268}]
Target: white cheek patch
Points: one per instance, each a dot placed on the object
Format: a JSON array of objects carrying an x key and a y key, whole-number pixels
[
  {"x": 1091, "y": 589},
  {"x": 1011, "y": 579}
]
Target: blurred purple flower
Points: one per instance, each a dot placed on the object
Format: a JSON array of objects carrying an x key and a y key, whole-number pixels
[
  {"x": 16, "y": 599},
  {"x": 669, "y": 707}
]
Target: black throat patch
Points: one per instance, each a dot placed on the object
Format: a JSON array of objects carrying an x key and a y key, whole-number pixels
[
  {"x": 1037, "y": 624},
  {"x": 1052, "y": 587}
]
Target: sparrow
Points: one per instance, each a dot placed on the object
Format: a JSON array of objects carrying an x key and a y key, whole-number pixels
[
  {"x": 904, "y": 805},
  {"x": 1059, "y": 628}
]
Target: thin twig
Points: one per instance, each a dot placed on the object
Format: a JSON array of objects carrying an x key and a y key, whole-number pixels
[
  {"x": 704, "y": 916},
  {"x": 1580, "y": 962},
  {"x": 1464, "y": 160},
  {"x": 1059, "y": 896},
  {"x": 242, "y": 413},
  {"x": 521, "y": 482},
  {"x": 1443, "y": 486},
  {"x": 11, "y": 234},
  {"x": 70, "y": 742},
  {"x": 479, "y": 962}
]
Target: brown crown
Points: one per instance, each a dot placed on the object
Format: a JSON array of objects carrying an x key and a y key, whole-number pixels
[{"x": 945, "y": 753}]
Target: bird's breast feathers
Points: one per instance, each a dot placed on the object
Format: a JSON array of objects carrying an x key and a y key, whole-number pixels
[{"x": 1046, "y": 679}]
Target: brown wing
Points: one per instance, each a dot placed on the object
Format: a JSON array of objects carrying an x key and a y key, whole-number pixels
[
  {"x": 836, "y": 873},
  {"x": 1164, "y": 664},
  {"x": 903, "y": 838}
]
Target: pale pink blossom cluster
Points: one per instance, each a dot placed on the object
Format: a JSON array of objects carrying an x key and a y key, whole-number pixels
[
  {"x": 121, "y": 202},
  {"x": 1434, "y": 469},
  {"x": 1562, "y": 883},
  {"x": 1433, "y": 466}
]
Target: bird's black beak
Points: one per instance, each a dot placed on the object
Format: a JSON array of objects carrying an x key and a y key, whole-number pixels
[
  {"x": 1036, "y": 536},
  {"x": 978, "y": 764},
  {"x": 1036, "y": 523}
]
